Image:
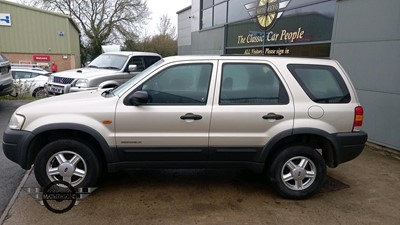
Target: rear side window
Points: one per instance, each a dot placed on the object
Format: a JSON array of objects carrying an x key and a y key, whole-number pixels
[
  {"x": 251, "y": 84},
  {"x": 322, "y": 84}
]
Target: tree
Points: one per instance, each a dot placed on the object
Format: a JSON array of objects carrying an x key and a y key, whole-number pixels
[
  {"x": 101, "y": 21},
  {"x": 166, "y": 27},
  {"x": 163, "y": 43}
]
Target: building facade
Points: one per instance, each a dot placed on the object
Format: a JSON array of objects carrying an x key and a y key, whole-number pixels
[
  {"x": 362, "y": 35},
  {"x": 33, "y": 36}
]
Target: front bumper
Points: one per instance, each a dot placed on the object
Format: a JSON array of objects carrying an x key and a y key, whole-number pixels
[
  {"x": 16, "y": 146},
  {"x": 58, "y": 89},
  {"x": 349, "y": 145}
]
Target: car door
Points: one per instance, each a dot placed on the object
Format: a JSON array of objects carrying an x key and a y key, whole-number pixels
[
  {"x": 174, "y": 124},
  {"x": 251, "y": 105}
]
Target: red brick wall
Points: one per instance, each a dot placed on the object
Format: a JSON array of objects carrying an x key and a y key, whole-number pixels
[{"x": 64, "y": 62}]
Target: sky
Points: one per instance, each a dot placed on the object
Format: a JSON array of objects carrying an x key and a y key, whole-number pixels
[{"x": 159, "y": 8}]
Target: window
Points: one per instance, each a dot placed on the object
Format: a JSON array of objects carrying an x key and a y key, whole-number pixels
[
  {"x": 109, "y": 61},
  {"x": 138, "y": 61},
  {"x": 183, "y": 84},
  {"x": 220, "y": 14},
  {"x": 150, "y": 60},
  {"x": 207, "y": 18},
  {"x": 34, "y": 75},
  {"x": 322, "y": 84},
  {"x": 142, "y": 62},
  {"x": 213, "y": 13},
  {"x": 207, "y": 3},
  {"x": 251, "y": 84},
  {"x": 21, "y": 75}
]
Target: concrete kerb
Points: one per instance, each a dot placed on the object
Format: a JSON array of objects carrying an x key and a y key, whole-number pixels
[{"x": 15, "y": 196}]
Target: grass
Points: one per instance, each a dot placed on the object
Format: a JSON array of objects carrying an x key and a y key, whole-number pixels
[
  {"x": 23, "y": 89},
  {"x": 19, "y": 98}
]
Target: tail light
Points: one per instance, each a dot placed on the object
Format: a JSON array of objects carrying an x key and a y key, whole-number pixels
[{"x": 358, "y": 118}]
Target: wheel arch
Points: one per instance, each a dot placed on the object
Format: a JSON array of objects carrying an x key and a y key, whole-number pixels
[
  {"x": 315, "y": 138},
  {"x": 51, "y": 132}
]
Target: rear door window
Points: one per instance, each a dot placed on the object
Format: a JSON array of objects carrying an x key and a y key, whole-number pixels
[
  {"x": 150, "y": 60},
  {"x": 251, "y": 84},
  {"x": 322, "y": 83}
]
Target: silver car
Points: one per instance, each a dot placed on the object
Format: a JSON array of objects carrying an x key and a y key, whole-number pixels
[
  {"x": 108, "y": 70},
  {"x": 6, "y": 81},
  {"x": 288, "y": 117}
]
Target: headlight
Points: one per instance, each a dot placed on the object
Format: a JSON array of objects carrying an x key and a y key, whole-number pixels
[
  {"x": 16, "y": 122},
  {"x": 51, "y": 78},
  {"x": 83, "y": 83}
]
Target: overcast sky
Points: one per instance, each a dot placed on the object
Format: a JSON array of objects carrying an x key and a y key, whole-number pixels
[{"x": 158, "y": 8}]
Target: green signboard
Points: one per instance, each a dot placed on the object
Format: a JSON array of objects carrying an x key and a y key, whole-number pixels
[{"x": 273, "y": 29}]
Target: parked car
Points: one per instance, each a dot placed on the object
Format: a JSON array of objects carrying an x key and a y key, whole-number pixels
[
  {"x": 108, "y": 70},
  {"x": 6, "y": 82},
  {"x": 288, "y": 117},
  {"x": 30, "y": 80}
]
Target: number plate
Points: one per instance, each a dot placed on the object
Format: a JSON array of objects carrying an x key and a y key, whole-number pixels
[{"x": 58, "y": 90}]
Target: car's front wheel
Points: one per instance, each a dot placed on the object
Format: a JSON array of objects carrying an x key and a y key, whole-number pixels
[
  {"x": 67, "y": 160},
  {"x": 297, "y": 172}
]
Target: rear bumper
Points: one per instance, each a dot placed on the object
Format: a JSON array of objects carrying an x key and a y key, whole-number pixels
[
  {"x": 349, "y": 145},
  {"x": 6, "y": 88},
  {"x": 16, "y": 145}
]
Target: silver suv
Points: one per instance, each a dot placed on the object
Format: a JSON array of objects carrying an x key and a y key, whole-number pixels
[
  {"x": 287, "y": 117},
  {"x": 108, "y": 70},
  {"x": 6, "y": 81}
]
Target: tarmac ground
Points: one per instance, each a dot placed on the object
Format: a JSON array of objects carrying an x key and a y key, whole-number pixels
[{"x": 363, "y": 191}]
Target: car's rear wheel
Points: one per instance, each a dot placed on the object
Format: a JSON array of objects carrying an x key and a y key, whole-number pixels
[
  {"x": 297, "y": 172},
  {"x": 67, "y": 160},
  {"x": 39, "y": 93}
]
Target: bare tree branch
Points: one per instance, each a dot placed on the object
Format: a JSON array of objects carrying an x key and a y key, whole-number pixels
[
  {"x": 101, "y": 21},
  {"x": 166, "y": 27}
]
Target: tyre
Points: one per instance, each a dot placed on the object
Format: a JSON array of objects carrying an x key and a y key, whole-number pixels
[
  {"x": 67, "y": 160},
  {"x": 297, "y": 172},
  {"x": 39, "y": 93}
]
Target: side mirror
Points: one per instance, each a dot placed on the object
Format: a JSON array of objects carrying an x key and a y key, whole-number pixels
[
  {"x": 132, "y": 68},
  {"x": 139, "y": 98}
]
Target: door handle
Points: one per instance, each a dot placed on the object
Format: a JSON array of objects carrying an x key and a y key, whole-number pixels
[
  {"x": 273, "y": 116},
  {"x": 191, "y": 116}
]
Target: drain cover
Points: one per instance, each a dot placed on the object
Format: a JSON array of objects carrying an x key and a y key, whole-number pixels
[{"x": 331, "y": 184}]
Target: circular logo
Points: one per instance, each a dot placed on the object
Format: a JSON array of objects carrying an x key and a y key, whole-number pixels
[
  {"x": 59, "y": 196},
  {"x": 267, "y": 13}
]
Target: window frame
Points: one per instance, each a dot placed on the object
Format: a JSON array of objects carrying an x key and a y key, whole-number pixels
[{"x": 212, "y": 7}]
